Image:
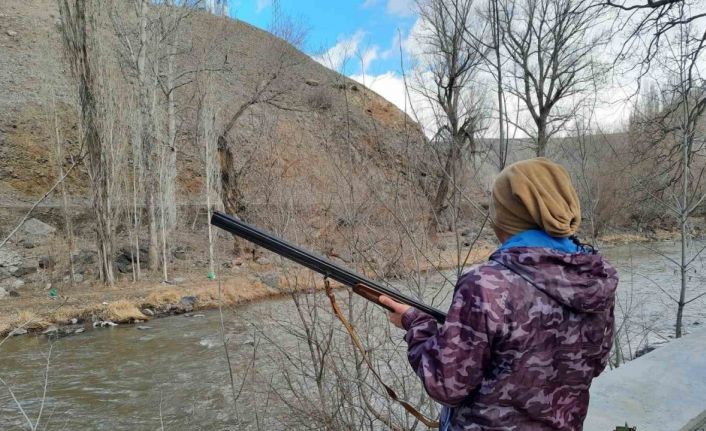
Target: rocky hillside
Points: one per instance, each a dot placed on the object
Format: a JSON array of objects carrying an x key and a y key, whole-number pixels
[{"x": 314, "y": 150}]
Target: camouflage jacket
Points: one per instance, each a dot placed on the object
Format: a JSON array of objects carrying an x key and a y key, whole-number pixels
[{"x": 525, "y": 335}]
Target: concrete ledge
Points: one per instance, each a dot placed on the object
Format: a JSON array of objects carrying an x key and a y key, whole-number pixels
[{"x": 665, "y": 390}]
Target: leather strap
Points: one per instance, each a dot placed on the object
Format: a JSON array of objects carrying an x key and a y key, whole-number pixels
[{"x": 359, "y": 345}]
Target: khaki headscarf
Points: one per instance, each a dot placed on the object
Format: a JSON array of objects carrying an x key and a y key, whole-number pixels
[{"x": 535, "y": 193}]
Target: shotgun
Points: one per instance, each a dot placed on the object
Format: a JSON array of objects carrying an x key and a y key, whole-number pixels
[{"x": 361, "y": 285}]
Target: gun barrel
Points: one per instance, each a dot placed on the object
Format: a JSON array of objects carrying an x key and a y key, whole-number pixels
[{"x": 312, "y": 261}]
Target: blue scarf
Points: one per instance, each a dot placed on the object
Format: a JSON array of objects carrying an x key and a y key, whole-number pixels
[{"x": 539, "y": 238}]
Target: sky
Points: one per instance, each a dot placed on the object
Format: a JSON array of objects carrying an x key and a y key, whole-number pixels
[
  {"x": 359, "y": 38},
  {"x": 362, "y": 39}
]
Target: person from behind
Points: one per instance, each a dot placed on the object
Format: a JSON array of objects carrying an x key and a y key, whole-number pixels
[{"x": 528, "y": 330}]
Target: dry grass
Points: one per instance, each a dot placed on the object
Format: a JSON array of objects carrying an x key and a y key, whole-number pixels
[
  {"x": 122, "y": 311},
  {"x": 26, "y": 319},
  {"x": 162, "y": 298}
]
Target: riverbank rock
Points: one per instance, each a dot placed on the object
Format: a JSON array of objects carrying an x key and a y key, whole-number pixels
[
  {"x": 18, "y": 331},
  {"x": 147, "y": 312},
  {"x": 186, "y": 304},
  {"x": 104, "y": 324},
  {"x": 3, "y": 292},
  {"x": 143, "y": 328},
  {"x": 52, "y": 330}
]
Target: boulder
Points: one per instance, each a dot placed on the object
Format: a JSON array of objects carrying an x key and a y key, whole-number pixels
[
  {"x": 143, "y": 328},
  {"x": 312, "y": 83},
  {"x": 270, "y": 279},
  {"x": 35, "y": 230},
  {"x": 147, "y": 312},
  {"x": 125, "y": 257},
  {"x": 11, "y": 284},
  {"x": 25, "y": 268},
  {"x": 188, "y": 300},
  {"x": 186, "y": 304},
  {"x": 3, "y": 293},
  {"x": 10, "y": 260},
  {"x": 50, "y": 330},
  {"x": 11, "y": 33},
  {"x": 84, "y": 257}
]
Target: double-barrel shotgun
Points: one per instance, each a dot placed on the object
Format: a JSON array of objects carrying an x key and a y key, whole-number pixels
[{"x": 361, "y": 285}]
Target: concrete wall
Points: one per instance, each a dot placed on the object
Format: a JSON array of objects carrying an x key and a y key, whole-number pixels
[{"x": 665, "y": 390}]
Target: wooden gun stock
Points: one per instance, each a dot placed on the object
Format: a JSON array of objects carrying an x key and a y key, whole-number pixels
[{"x": 371, "y": 295}]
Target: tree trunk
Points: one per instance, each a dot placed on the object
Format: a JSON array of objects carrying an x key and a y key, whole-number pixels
[
  {"x": 442, "y": 191},
  {"x": 171, "y": 159},
  {"x": 683, "y": 217},
  {"x": 542, "y": 137},
  {"x": 230, "y": 187}
]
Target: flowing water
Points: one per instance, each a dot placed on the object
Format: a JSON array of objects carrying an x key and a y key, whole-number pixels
[{"x": 175, "y": 376}]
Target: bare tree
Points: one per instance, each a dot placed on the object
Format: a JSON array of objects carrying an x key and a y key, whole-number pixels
[
  {"x": 552, "y": 47},
  {"x": 80, "y": 46},
  {"x": 449, "y": 65},
  {"x": 649, "y": 22},
  {"x": 675, "y": 136},
  {"x": 286, "y": 27}
]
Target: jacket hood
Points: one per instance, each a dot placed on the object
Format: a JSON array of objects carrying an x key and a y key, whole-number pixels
[{"x": 584, "y": 282}]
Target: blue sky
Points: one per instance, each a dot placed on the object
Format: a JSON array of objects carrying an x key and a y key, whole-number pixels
[{"x": 368, "y": 27}]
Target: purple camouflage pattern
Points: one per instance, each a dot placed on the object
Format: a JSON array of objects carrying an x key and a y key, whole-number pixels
[{"x": 525, "y": 335}]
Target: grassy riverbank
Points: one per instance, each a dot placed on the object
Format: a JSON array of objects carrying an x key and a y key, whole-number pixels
[{"x": 128, "y": 302}]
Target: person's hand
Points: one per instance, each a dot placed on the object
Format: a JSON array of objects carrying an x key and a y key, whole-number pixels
[{"x": 396, "y": 316}]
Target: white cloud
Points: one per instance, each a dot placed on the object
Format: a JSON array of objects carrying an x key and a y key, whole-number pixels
[
  {"x": 369, "y": 3},
  {"x": 261, "y": 5},
  {"x": 391, "y": 86},
  {"x": 400, "y": 7},
  {"x": 336, "y": 56}
]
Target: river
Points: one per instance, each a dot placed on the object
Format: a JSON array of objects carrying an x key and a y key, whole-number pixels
[{"x": 174, "y": 375}]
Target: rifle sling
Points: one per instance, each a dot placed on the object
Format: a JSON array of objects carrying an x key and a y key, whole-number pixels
[{"x": 359, "y": 345}]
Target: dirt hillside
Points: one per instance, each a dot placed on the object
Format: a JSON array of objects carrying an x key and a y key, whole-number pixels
[{"x": 317, "y": 158}]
